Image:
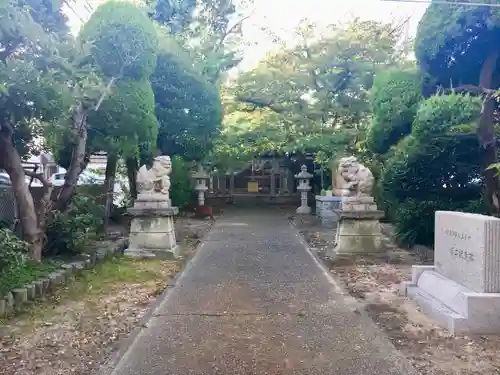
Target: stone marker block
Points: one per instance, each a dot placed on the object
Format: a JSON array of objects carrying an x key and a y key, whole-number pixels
[
  {"x": 78, "y": 266},
  {"x": 9, "y": 303},
  {"x": 468, "y": 250},
  {"x": 2, "y": 307},
  {"x": 100, "y": 256},
  {"x": 55, "y": 281},
  {"x": 88, "y": 263},
  {"x": 461, "y": 291},
  {"x": 20, "y": 297},
  {"x": 30, "y": 288},
  {"x": 45, "y": 285},
  {"x": 68, "y": 267}
]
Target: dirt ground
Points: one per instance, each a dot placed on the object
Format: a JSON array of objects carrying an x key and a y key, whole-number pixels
[
  {"x": 78, "y": 329},
  {"x": 374, "y": 281}
]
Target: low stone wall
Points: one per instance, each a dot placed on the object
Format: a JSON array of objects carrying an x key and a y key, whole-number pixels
[{"x": 18, "y": 299}]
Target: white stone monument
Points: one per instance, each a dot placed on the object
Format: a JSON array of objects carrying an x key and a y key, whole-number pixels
[
  {"x": 358, "y": 226},
  {"x": 201, "y": 178},
  {"x": 304, "y": 188},
  {"x": 461, "y": 291},
  {"x": 152, "y": 231}
]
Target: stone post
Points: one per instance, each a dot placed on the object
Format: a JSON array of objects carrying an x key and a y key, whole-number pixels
[
  {"x": 211, "y": 183},
  {"x": 272, "y": 184},
  {"x": 231, "y": 183},
  {"x": 304, "y": 188},
  {"x": 201, "y": 178},
  {"x": 152, "y": 232}
]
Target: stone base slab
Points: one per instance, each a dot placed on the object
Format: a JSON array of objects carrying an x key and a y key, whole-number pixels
[
  {"x": 303, "y": 210},
  {"x": 172, "y": 253},
  {"x": 453, "y": 305}
]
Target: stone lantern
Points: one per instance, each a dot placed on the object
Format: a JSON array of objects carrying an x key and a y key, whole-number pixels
[
  {"x": 304, "y": 187},
  {"x": 201, "y": 187}
]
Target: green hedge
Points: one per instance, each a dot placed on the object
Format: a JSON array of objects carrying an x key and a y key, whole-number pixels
[{"x": 435, "y": 168}]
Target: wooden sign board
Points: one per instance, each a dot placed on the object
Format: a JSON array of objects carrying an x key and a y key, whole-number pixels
[{"x": 253, "y": 187}]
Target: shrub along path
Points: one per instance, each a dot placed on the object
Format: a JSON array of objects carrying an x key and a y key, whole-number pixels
[{"x": 255, "y": 301}]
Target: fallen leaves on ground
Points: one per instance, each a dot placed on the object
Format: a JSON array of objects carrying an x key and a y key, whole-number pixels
[
  {"x": 78, "y": 329},
  {"x": 375, "y": 282}
]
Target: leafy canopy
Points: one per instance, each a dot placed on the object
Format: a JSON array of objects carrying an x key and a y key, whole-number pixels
[
  {"x": 395, "y": 97},
  {"x": 187, "y": 105},
  {"x": 123, "y": 41},
  {"x": 312, "y": 97},
  {"x": 453, "y": 41}
]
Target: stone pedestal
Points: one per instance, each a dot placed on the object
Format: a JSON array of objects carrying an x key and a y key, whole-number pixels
[
  {"x": 358, "y": 232},
  {"x": 461, "y": 291},
  {"x": 358, "y": 228},
  {"x": 152, "y": 232},
  {"x": 327, "y": 209}
]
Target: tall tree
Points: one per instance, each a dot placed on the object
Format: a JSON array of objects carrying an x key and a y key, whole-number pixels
[
  {"x": 312, "y": 96},
  {"x": 457, "y": 45},
  {"x": 187, "y": 106},
  {"x": 31, "y": 94},
  {"x": 121, "y": 43}
]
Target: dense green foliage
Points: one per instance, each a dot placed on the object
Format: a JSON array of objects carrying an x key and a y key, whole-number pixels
[
  {"x": 434, "y": 166},
  {"x": 453, "y": 41},
  {"x": 312, "y": 97},
  {"x": 70, "y": 232},
  {"x": 188, "y": 107},
  {"x": 182, "y": 192},
  {"x": 13, "y": 253},
  {"x": 123, "y": 41},
  {"x": 457, "y": 48},
  {"x": 126, "y": 118},
  {"x": 395, "y": 97}
]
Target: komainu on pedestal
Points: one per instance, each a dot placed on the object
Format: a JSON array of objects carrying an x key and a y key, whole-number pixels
[
  {"x": 358, "y": 228},
  {"x": 152, "y": 232}
]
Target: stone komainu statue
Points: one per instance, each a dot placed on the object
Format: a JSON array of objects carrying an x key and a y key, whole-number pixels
[
  {"x": 353, "y": 179},
  {"x": 157, "y": 178}
]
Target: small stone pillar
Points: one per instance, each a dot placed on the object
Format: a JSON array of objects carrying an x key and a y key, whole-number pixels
[
  {"x": 152, "y": 232},
  {"x": 231, "y": 183},
  {"x": 201, "y": 178},
  {"x": 211, "y": 183},
  {"x": 304, "y": 188}
]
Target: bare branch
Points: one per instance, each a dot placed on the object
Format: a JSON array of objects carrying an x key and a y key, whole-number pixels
[
  {"x": 40, "y": 177},
  {"x": 474, "y": 89},
  {"x": 230, "y": 31},
  {"x": 261, "y": 104}
]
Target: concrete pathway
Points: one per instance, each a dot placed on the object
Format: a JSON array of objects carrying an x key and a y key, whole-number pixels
[{"x": 254, "y": 301}]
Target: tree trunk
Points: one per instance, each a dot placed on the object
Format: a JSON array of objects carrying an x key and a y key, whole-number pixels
[
  {"x": 78, "y": 159},
  {"x": 131, "y": 164},
  {"x": 486, "y": 135},
  {"x": 111, "y": 164},
  {"x": 11, "y": 161}
]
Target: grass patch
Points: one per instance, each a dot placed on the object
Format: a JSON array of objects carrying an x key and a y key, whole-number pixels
[
  {"x": 26, "y": 274},
  {"x": 118, "y": 272},
  {"x": 110, "y": 278}
]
